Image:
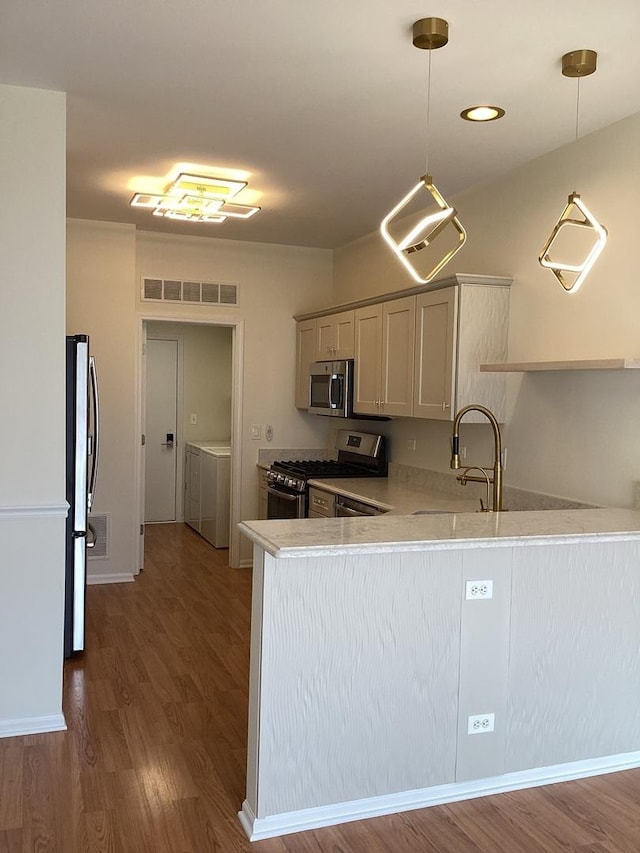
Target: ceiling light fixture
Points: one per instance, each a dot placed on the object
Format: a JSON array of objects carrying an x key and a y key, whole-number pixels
[
  {"x": 428, "y": 34},
  {"x": 482, "y": 112},
  {"x": 197, "y": 198},
  {"x": 586, "y": 229}
]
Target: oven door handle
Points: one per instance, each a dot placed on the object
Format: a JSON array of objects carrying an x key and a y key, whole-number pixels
[
  {"x": 287, "y": 496},
  {"x": 346, "y": 512}
]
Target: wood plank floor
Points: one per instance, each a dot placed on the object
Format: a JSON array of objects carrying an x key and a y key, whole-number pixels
[{"x": 154, "y": 758}]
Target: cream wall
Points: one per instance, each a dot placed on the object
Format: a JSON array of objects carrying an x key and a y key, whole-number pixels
[
  {"x": 569, "y": 434},
  {"x": 32, "y": 427},
  {"x": 101, "y": 304}
]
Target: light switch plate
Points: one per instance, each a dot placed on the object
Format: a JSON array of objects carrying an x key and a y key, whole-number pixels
[{"x": 256, "y": 432}]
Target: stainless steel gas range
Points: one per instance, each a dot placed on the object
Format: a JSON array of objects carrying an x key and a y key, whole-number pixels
[{"x": 360, "y": 454}]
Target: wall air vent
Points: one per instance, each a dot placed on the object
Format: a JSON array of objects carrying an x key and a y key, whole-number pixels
[
  {"x": 100, "y": 522},
  {"x": 173, "y": 291},
  {"x": 189, "y": 292}
]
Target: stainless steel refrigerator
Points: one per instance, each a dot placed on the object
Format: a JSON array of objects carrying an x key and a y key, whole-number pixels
[{"x": 81, "y": 472}]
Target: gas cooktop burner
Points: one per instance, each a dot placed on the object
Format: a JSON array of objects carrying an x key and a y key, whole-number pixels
[{"x": 318, "y": 468}]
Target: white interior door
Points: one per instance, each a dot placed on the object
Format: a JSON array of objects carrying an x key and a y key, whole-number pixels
[{"x": 161, "y": 417}]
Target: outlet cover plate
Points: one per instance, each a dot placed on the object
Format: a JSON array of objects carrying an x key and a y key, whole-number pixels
[
  {"x": 478, "y": 590},
  {"x": 481, "y": 724}
]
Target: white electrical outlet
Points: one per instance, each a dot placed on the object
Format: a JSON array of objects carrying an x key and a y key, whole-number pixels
[
  {"x": 480, "y": 723},
  {"x": 411, "y": 444},
  {"x": 476, "y": 590},
  {"x": 268, "y": 432},
  {"x": 463, "y": 453},
  {"x": 193, "y": 419}
]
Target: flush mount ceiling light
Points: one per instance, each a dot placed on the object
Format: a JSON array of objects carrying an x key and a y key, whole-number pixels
[
  {"x": 584, "y": 234},
  {"x": 428, "y": 34},
  {"x": 482, "y": 112},
  {"x": 197, "y": 198}
]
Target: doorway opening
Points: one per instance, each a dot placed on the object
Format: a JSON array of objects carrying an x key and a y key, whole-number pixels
[{"x": 203, "y": 404}]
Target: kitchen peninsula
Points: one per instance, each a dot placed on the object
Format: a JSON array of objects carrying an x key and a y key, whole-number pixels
[{"x": 404, "y": 661}]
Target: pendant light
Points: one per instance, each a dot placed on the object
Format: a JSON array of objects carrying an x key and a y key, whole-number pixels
[
  {"x": 576, "y": 215},
  {"x": 428, "y": 34}
]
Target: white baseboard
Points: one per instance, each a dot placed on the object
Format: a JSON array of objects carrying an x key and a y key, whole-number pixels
[
  {"x": 106, "y": 577},
  {"x": 32, "y": 725},
  {"x": 315, "y": 818}
]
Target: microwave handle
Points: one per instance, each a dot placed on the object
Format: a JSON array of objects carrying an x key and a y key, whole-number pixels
[{"x": 335, "y": 377}]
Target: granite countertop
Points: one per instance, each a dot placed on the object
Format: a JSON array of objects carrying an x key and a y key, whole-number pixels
[
  {"x": 393, "y": 496},
  {"x": 391, "y": 533}
]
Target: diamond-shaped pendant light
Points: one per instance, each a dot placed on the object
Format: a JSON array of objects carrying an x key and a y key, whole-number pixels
[
  {"x": 576, "y": 216},
  {"x": 571, "y": 275},
  {"x": 408, "y": 240}
]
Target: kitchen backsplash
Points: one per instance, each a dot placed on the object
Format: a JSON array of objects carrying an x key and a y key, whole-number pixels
[{"x": 514, "y": 499}]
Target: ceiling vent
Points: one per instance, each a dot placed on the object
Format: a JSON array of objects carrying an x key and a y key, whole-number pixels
[
  {"x": 100, "y": 525},
  {"x": 189, "y": 292}
]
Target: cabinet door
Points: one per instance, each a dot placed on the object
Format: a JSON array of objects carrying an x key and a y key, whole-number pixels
[
  {"x": 325, "y": 339},
  {"x": 368, "y": 352},
  {"x": 263, "y": 497},
  {"x": 344, "y": 334},
  {"x": 305, "y": 355},
  {"x": 398, "y": 335},
  {"x": 335, "y": 336},
  {"x": 435, "y": 354}
]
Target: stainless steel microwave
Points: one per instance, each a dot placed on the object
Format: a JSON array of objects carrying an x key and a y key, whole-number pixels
[{"x": 331, "y": 388}]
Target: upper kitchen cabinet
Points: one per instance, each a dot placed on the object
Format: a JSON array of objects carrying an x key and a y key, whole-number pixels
[
  {"x": 384, "y": 346},
  {"x": 457, "y": 328},
  {"x": 335, "y": 336},
  {"x": 327, "y": 338},
  {"x": 417, "y": 352},
  {"x": 305, "y": 355}
]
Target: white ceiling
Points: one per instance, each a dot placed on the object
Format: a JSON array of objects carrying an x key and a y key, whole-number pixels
[{"x": 323, "y": 103}]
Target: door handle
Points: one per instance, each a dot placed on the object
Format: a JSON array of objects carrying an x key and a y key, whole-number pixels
[{"x": 169, "y": 441}]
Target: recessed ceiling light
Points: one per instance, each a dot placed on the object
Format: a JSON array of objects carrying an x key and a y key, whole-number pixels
[{"x": 482, "y": 112}]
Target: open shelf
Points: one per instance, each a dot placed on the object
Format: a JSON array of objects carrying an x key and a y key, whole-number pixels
[{"x": 577, "y": 364}]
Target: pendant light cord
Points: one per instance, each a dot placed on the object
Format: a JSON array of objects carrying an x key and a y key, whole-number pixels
[
  {"x": 577, "y": 127},
  {"x": 427, "y": 140}
]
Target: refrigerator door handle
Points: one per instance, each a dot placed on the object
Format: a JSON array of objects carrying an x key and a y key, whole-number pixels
[{"x": 93, "y": 383}]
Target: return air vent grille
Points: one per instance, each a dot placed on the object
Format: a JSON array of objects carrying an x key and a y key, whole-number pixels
[
  {"x": 101, "y": 525},
  {"x": 190, "y": 292}
]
